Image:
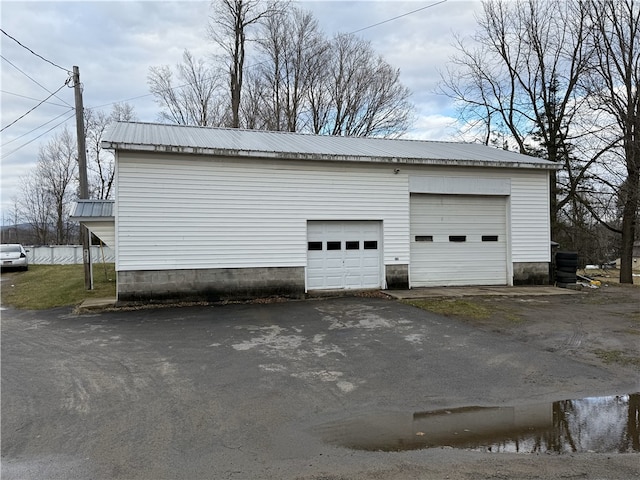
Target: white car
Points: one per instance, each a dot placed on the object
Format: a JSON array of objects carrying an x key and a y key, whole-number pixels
[{"x": 13, "y": 255}]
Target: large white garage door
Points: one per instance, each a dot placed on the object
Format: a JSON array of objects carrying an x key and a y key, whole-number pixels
[
  {"x": 343, "y": 255},
  {"x": 458, "y": 240}
]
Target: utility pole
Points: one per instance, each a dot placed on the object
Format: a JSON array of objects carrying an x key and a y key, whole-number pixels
[{"x": 84, "y": 182}]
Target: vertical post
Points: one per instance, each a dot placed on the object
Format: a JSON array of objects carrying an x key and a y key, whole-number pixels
[{"x": 84, "y": 182}]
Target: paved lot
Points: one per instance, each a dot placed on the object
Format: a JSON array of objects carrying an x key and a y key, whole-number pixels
[{"x": 239, "y": 391}]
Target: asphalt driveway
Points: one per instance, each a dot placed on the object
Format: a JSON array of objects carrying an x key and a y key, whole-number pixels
[{"x": 238, "y": 391}]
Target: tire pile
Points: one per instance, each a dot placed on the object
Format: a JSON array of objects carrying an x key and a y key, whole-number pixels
[{"x": 566, "y": 267}]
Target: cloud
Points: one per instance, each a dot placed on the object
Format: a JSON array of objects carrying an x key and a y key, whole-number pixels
[
  {"x": 434, "y": 127},
  {"x": 114, "y": 44},
  {"x": 419, "y": 44}
]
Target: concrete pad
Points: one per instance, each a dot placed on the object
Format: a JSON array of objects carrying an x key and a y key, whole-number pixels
[
  {"x": 96, "y": 304},
  {"x": 518, "y": 291}
]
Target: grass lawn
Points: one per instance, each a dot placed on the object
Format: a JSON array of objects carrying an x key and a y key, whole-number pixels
[
  {"x": 48, "y": 286},
  {"x": 471, "y": 309}
]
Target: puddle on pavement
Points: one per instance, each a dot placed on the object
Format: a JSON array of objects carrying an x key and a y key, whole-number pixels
[{"x": 596, "y": 424}]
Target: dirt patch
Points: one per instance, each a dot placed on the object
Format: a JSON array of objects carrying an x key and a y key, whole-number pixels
[
  {"x": 599, "y": 326},
  {"x": 609, "y": 275}
]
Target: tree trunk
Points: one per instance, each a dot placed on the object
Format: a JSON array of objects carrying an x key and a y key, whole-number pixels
[{"x": 629, "y": 214}]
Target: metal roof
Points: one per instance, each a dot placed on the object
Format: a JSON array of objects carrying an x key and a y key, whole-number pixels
[
  {"x": 150, "y": 137},
  {"x": 94, "y": 210}
]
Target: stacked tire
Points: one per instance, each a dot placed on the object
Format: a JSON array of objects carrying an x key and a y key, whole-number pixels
[{"x": 566, "y": 267}]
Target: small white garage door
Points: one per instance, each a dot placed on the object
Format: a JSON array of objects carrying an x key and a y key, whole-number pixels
[
  {"x": 458, "y": 240},
  {"x": 343, "y": 254}
]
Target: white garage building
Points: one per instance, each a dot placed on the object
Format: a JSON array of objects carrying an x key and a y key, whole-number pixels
[{"x": 219, "y": 213}]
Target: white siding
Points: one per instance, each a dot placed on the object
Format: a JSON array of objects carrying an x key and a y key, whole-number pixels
[
  {"x": 181, "y": 211},
  {"x": 196, "y": 212},
  {"x": 530, "y": 223}
]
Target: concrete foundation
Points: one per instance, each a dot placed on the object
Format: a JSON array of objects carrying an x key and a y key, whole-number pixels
[
  {"x": 215, "y": 284},
  {"x": 531, "y": 273},
  {"x": 212, "y": 284},
  {"x": 397, "y": 277}
]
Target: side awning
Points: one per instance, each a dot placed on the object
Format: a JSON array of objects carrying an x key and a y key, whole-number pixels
[{"x": 97, "y": 216}]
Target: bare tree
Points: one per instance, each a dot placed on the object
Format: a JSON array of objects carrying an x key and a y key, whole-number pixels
[
  {"x": 57, "y": 171},
  {"x": 560, "y": 79},
  {"x": 520, "y": 78},
  {"x": 319, "y": 93},
  {"x": 230, "y": 23},
  {"x": 35, "y": 207},
  {"x": 15, "y": 217},
  {"x": 366, "y": 96},
  {"x": 614, "y": 89},
  {"x": 305, "y": 82},
  {"x": 292, "y": 45},
  {"x": 256, "y": 106},
  {"x": 46, "y": 193},
  {"x": 123, "y": 112},
  {"x": 195, "y": 100},
  {"x": 101, "y": 162}
]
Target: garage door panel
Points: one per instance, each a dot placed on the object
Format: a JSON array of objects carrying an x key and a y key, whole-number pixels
[
  {"x": 369, "y": 262},
  {"x": 333, "y": 262},
  {"x": 352, "y": 263},
  {"x": 471, "y": 260}
]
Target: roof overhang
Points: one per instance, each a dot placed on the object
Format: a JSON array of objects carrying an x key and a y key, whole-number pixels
[
  {"x": 221, "y": 152},
  {"x": 155, "y": 139},
  {"x": 93, "y": 210}
]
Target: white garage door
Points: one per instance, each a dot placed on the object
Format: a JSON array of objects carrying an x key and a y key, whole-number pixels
[
  {"x": 343, "y": 255},
  {"x": 458, "y": 240}
]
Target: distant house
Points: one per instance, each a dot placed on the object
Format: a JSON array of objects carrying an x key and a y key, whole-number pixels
[
  {"x": 217, "y": 213},
  {"x": 635, "y": 257}
]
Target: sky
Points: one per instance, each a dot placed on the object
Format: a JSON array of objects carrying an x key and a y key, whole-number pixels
[{"x": 114, "y": 43}]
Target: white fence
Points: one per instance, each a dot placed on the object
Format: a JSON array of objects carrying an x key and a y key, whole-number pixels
[{"x": 66, "y": 254}]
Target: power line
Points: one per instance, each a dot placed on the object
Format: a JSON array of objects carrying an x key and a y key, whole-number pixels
[
  {"x": 36, "y": 54},
  {"x": 135, "y": 98},
  {"x": 43, "y": 133},
  {"x": 32, "y": 79},
  {"x": 172, "y": 88},
  {"x": 32, "y": 109},
  {"x": 33, "y": 98},
  {"x": 37, "y": 128},
  {"x": 399, "y": 16}
]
